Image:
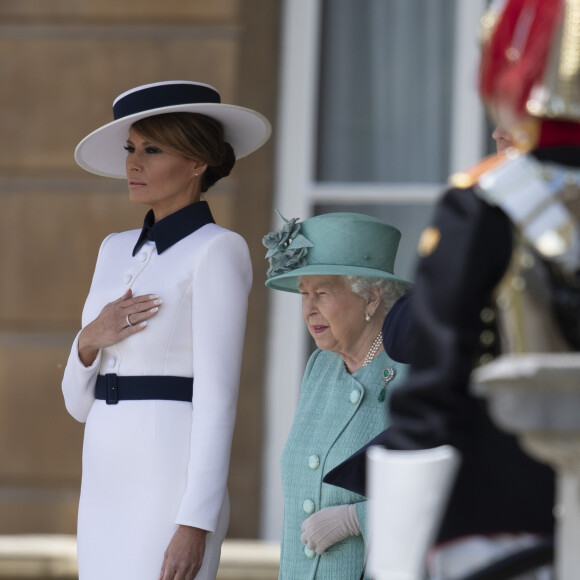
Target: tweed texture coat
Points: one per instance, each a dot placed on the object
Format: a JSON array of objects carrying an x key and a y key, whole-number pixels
[{"x": 337, "y": 413}]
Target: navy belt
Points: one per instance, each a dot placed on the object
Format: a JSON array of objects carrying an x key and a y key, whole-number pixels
[{"x": 112, "y": 388}]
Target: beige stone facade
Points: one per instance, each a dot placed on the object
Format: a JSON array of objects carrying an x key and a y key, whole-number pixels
[{"x": 61, "y": 64}]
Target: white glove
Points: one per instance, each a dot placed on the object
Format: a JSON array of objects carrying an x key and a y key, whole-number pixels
[
  {"x": 408, "y": 491},
  {"x": 328, "y": 526}
]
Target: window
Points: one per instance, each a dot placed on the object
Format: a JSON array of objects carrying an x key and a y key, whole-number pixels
[{"x": 385, "y": 93}]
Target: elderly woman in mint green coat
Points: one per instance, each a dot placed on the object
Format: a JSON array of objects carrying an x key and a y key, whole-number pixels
[{"x": 342, "y": 265}]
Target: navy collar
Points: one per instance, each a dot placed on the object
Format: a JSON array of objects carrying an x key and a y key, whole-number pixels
[{"x": 174, "y": 227}]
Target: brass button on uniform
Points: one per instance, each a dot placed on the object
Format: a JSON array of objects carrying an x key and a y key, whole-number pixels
[
  {"x": 487, "y": 338},
  {"x": 487, "y": 315}
]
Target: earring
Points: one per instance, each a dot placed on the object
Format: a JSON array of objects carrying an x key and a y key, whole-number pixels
[{"x": 367, "y": 317}]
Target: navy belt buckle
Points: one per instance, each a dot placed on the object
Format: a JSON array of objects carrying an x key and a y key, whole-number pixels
[{"x": 112, "y": 389}]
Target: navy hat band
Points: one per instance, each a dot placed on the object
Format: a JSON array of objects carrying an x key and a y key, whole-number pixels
[{"x": 156, "y": 97}]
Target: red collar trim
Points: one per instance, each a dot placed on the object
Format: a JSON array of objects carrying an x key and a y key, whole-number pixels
[{"x": 559, "y": 133}]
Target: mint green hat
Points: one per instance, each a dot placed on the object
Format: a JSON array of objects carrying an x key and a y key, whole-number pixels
[{"x": 335, "y": 244}]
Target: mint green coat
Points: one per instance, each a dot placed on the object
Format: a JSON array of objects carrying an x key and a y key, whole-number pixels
[{"x": 337, "y": 414}]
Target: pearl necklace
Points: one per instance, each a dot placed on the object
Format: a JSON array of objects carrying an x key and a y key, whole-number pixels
[{"x": 374, "y": 349}]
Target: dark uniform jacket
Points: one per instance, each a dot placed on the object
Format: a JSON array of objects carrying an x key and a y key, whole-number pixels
[{"x": 437, "y": 328}]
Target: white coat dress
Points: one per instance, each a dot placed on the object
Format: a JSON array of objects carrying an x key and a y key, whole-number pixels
[{"x": 149, "y": 465}]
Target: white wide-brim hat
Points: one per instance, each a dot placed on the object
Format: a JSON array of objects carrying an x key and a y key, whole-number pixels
[{"x": 102, "y": 151}]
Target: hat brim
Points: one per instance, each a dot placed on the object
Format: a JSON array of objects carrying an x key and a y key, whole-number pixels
[
  {"x": 101, "y": 152},
  {"x": 289, "y": 281}
]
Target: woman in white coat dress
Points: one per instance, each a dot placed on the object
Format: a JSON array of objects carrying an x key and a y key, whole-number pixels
[{"x": 154, "y": 371}]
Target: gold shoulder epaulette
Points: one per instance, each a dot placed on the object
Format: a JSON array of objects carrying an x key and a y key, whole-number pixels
[{"x": 470, "y": 177}]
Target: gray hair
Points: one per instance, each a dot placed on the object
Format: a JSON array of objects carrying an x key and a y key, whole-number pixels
[{"x": 390, "y": 290}]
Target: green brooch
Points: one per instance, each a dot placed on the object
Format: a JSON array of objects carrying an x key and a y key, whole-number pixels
[{"x": 388, "y": 375}]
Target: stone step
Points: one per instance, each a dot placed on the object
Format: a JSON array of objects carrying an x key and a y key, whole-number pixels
[{"x": 51, "y": 557}]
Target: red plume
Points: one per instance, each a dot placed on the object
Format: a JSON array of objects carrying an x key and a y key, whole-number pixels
[{"x": 516, "y": 56}]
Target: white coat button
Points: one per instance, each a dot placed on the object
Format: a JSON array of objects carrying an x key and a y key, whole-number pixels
[
  {"x": 308, "y": 506},
  {"x": 112, "y": 362},
  {"x": 127, "y": 278},
  {"x": 309, "y": 553},
  {"x": 142, "y": 257},
  {"x": 355, "y": 396},
  {"x": 314, "y": 461}
]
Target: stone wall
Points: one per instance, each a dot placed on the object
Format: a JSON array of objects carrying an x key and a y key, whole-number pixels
[{"x": 61, "y": 64}]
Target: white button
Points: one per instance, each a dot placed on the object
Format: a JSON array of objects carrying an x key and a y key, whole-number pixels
[
  {"x": 309, "y": 553},
  {"x": 308, "y": 506},
  {"x": 112, "y": 362},
  {"x": 127, "y": 278},
  {"x": 355, "y": 396},
  {"x": 314, "y": 461},
  {"x": 142, "y": 257}
]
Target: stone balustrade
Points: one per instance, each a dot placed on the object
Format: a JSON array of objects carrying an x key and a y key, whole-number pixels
[{"x": 537, "y": 397}]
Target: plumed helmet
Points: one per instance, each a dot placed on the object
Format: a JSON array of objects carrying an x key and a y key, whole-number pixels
[{"x": 530, "y": 66}]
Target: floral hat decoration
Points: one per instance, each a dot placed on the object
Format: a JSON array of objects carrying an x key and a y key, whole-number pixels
[
  {"x": 287, "y": 248},
  {"x": 339, "y": 244}
]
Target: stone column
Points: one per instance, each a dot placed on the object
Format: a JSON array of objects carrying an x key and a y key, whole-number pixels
[{"x": 537, "y": 397}]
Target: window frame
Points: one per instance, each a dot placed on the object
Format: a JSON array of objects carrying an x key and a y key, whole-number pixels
[{"x": 297, "y": 192}]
